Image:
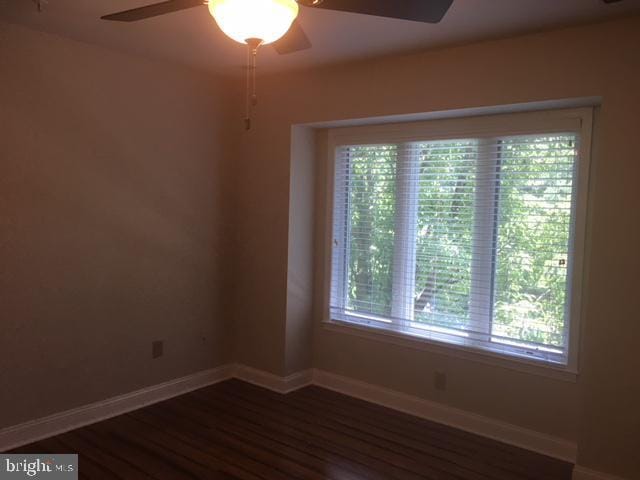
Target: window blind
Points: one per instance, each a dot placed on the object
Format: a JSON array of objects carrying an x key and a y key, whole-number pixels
[{"x": 465, "y": 241}]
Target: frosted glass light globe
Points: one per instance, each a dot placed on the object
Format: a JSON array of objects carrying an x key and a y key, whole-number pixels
[{"x": 267, "y": 20}]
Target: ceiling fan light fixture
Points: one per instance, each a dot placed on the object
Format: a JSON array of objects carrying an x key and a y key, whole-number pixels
[{"x": 266, "y": 20}]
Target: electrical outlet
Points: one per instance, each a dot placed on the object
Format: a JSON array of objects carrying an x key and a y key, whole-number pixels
[
  {"x": 440, "y": 380},
  {"x": 157, "y": 348}
]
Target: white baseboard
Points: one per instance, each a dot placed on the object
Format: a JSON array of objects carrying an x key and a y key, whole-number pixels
[
  {"x": 274, "y": 382},
  {"x": 32, "y": 431},
  {"x": 582, "y": 473},
  {"x": 437, "y": 412}
]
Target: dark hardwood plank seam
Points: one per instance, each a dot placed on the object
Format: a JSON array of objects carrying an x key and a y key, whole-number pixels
[{"x": 408, "y": 466}]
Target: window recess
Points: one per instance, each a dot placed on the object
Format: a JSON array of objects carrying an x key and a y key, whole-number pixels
[{"x": 467, "y": 234}]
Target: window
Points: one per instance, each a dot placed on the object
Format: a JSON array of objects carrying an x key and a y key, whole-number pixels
[{"x": 467, "y": 232}]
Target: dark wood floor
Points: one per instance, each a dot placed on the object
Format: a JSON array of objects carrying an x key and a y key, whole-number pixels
[{"x": 235, "y": 430}]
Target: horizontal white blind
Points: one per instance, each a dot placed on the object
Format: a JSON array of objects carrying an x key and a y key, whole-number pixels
[{"x": 464, "y": 241}]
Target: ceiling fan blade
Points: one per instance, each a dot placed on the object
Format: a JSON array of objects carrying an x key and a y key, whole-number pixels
[
  {"x": 153, "y": 10},
  {"x": 429, "y": 11},
  {"x": 293, "y": 41}
]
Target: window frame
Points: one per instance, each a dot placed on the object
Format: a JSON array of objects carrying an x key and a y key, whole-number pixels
[{"x": 576, "y": 120}]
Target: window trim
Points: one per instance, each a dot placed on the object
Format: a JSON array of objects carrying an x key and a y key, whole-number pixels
[{"x": 579, "y": 120}]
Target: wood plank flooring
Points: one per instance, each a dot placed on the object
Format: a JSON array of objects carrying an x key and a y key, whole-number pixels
[{"x": 235, "y": 430}]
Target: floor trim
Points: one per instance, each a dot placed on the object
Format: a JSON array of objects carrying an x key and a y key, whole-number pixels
[
  {"x": 32, "y": 431},
  {"x": 582, "y": 473},
  {"x": 274, "y": 382},
  {"x": 437, "y": 412}
]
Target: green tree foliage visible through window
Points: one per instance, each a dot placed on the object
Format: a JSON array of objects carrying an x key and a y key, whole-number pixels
[
  {"x": 445, "y": 233},
  {"x": 534, "y": 222},
  {"x": 532, "y": 201},
  {"x": 372, "y": 186}
]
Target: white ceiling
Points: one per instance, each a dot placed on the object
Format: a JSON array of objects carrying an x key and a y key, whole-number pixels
[{"x": 192, "y": 38}]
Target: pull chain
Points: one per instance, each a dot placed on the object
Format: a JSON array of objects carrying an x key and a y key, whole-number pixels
[
  {"x": 247, "y": 118},
  {"x": 252, "y": 97}
]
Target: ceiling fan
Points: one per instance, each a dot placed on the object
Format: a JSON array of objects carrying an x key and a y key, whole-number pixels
[
  {"x": 260, "y": 22},
  {"x": 428, "y": 11}
]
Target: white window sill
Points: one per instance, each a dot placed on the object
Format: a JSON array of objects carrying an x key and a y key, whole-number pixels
[{"x": 512, "y": 362}]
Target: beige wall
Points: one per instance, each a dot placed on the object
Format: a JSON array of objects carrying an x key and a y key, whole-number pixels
[
  {"x": 600, "y": 412},
  {"x": 300, "y": 263},
  {"x": 112, "y": 223}
]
